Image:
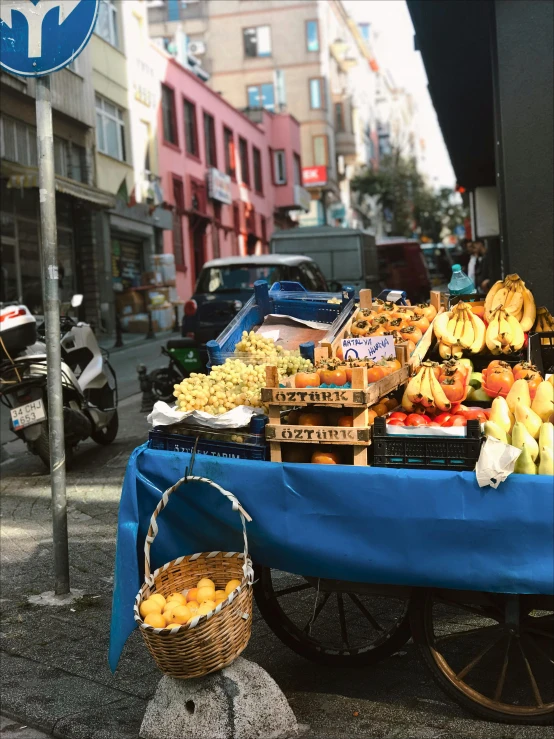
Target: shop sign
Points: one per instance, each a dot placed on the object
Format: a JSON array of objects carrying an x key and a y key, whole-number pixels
[
  {"x": 314, "y": 176},
  {"x": 219, "y": 186},
  {"x": 302, "y": 198}
]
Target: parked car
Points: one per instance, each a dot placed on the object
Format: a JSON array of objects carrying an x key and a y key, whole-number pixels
[{"x": 224, "y": 285}]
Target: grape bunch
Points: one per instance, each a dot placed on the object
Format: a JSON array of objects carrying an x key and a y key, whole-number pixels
[{"x": 261, "y": 348}]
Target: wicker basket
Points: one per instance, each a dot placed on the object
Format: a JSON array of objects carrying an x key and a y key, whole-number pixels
[{"x": 208, "y": 643}]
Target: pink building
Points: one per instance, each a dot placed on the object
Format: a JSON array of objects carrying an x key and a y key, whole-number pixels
[{"x": 230, "y": 180}]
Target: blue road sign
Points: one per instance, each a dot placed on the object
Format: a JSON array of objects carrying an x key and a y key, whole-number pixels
[{"x": 38, "y": 37}]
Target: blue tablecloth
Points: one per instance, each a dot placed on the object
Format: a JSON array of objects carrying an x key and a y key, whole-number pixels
[{"x": 364, "y": 524}]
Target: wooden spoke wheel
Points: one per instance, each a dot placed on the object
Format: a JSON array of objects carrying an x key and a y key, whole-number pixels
[
  {"x": 334, "y": 622},
  {"x": 492, "y": 653}
]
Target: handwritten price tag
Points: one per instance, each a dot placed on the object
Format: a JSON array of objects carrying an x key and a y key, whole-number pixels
[{"x": 374, "y": 347}]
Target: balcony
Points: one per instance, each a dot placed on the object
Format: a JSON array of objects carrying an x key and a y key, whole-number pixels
[{"x": 345, "y": 144}]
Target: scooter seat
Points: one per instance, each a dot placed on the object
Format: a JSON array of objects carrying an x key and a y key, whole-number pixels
[{"x": 184, "y": 343}]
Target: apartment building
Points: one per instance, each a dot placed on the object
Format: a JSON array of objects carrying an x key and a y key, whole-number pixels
[
  {"x": 228, "y": 177},
  {"x": 307, "y": 58},
  {"x": 126, "y": 98},
  {"x": 78, "y": 200}
]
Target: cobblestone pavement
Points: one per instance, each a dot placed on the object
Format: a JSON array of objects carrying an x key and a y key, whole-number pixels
[{"x": 54, "y": 669}]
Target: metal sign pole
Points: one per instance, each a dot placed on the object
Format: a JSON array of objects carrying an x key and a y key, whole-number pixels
[{"x": 49, "y": 255}]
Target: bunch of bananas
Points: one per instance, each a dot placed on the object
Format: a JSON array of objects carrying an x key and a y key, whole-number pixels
[
  {"x": 424, "y": 392},
  {"x": 516, "y": 299},
  {"x": 459, "y": 329},
  {"x": 544, "y": 323},
  {"x": 504, "y": 333}
]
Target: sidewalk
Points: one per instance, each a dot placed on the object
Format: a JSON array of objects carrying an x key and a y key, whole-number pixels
[{"x": 130, "y": 340}]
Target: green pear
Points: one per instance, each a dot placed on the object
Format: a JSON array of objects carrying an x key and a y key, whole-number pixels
[
  {"x": 546, "y": 464},
  {"x": 524, "y": 463},
  {"x": 480, "y": 395},
  {"x": 476, "y": 380},
  {"x": 521, "y": 437},
  {"x": 546, "y": 436},
  {"x": 543, "y": 402},
  {"x": 519, "y": 391},
  {"x": 527, "y": 416},
  {"x": 494, "y": 430},
  {"x": 501, "y": 414}
]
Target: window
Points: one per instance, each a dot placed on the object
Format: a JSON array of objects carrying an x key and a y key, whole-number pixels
[
  {"x": 191, "y": 129},
  {"x": 297, "y": 169},
  {"x": 321, "y": 151},
  {"x": 173, "y": 10},
  {"x": 209, "y": 140},
  {"x": 261, "y": 96},
  {"x": 244, "y": 166},
  {"x": 106, "y": 25},
  {"x": 168, "y": 115},
  {"x": 18, "y": 142},
  {"x": 279, "y": 167},
  {"x": 229, "y": 144},
  {"x": 339, "y": 117},
  {"x": 257, "y": 161},
  {"x": 257, "y": 41},
  {"x": 179, "y": 198},
  {"x": 312, "y": 36},
  {"x": 110, "y": 129},
  {"x": 263, "y": 230},
  {"x": 317, "y": 93}
]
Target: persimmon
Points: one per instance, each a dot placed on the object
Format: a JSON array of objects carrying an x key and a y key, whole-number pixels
[
  {"x": 391, "y": 403},
  {"x": 525, "y": 370},
  {"x": 293, "y": 417},
  {"x": 371, "y": 416},
  {"x": 346, "y": 421},
  {"x": 454, "y": 388},
  {"x": 393, "y": 363},
  {"x": 398, "y": 323},
  {"x": 411, "y": 333},
  {"x": 311, "y": 418},
  {"x": 322, "y": 456},
  {"x": 421, "y": 323},
  {"x": 379, "y": 330},
  {"x": 334, "y": 376},
  {"x": 380, "y": 409},
  {"x": 365, "y": 313},
  {"x": 360, "y": 328},
  {"x": 498, "y": 382},
  {"x": 427, "y": 310},
  {"x": 339, "y": 353},
  {"x": 375, "y": 373},
  {"x": 477, "y": 310},
  {"x": 307, "y": 379}
]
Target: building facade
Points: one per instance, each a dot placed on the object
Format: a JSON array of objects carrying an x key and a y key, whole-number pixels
[
  {"x": 126, "y": 85},
  {"x": 227, "y": 177},
  {"x": 307, "y": 58},
  {"x": 78, "y": 200}
]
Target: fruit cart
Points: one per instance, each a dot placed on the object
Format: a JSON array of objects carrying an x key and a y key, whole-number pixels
[{"x": 467, "y": 571}]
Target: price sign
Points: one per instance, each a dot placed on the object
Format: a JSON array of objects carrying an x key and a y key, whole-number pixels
[{"x": 374, "y": 347}]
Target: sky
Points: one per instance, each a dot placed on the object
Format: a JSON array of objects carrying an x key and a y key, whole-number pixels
[{"x": 394, "y": 49}]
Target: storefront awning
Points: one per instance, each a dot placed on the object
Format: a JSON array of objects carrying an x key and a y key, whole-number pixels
[{"x": 19, "y": 177}]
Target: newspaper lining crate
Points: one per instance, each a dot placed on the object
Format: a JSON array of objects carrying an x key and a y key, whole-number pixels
[{"x": 358, "y": 436}]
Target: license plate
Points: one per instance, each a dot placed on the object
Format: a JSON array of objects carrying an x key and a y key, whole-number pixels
[{"x": 28, "y": 414}]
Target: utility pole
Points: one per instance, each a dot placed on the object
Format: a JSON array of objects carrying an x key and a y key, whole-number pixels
[{"x": 49, "y": 264}]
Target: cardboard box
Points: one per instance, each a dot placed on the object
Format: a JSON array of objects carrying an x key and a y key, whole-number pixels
[
  {"x": 140, "y": 326},
  {"x": 129, "y": 303},
  {"x": 152, "y": 278}
]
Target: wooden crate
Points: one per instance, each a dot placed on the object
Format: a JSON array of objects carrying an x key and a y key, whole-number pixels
[{"x": 357, "y": 436}]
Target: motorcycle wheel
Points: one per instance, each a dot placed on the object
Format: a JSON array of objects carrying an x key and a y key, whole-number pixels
[
  {"x": 107, "y": 435},
  {"x": 41, "y": 447},
  {"x": 163, "y": 381}
]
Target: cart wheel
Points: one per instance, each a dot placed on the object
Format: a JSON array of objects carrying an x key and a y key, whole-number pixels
[
  {"x": 492, "y": 653},
  {"x": 334, "y": 623}
]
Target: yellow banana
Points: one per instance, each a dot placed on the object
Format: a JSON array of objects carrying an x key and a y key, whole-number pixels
[
  {"x": 500, "y": 298},
  {"x": 427, "y": 395},
  {"x": 529, "y": 310},
  {"x": 407, "y": 403},
  {"x": 413, "y": 389},
  {"x": 479, "y": 329},
  {"x": 459, "y": 328},
  {"x": 468, "y": 334},
  {"x": 445, "y": 350},
  {"x": 491, "y": 334},
  {"x": 490, "y": 297},
  {"x": 457, "y": 352},
  {"x": 451, "y": 325},
  {"x": 440, "y": 400},
  {"x": 504, "y": 330},
  {"x": 514, "y": 305},
  {"x": 518, "y": 337},
  {"x": 440, "y": 324}
]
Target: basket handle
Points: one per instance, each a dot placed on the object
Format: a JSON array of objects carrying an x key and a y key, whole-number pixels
[{"x": 153, "y": 528}]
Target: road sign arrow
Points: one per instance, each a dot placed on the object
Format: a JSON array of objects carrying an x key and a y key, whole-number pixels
[{"x": 34, "y": 12}]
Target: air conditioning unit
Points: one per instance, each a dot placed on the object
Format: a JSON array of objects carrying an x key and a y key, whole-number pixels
[{"x": 196, "y": 47}]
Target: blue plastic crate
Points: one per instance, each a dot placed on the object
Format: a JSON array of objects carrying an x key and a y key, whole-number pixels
[{"x": 285, "y": 298}]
